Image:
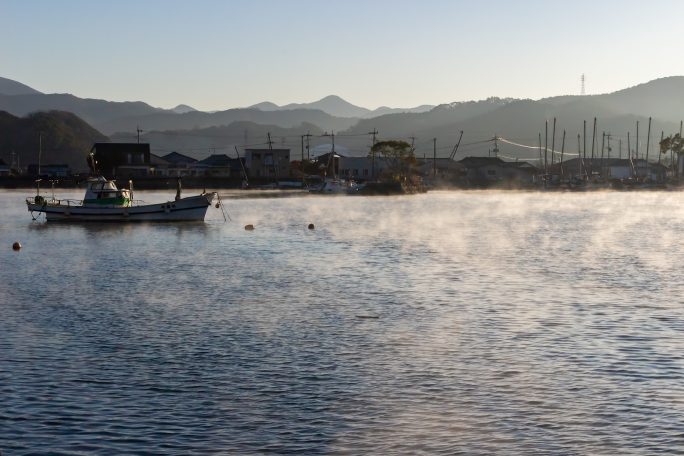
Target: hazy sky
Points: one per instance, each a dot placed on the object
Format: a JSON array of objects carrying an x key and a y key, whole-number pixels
[{"x": 222, "y": 54}]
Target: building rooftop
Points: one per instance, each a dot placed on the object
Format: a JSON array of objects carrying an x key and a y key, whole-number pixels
[{"x": 179, "y": 159}]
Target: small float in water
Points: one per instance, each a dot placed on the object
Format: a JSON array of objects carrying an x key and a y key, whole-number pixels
[{"x": 105, "y": 202}]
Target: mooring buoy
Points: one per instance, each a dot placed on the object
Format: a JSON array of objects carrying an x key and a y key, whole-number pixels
[
  {"x": 311, "y": 226},
  {"x": 249, "y": 227},
  {"x": 16, "y": 246}
]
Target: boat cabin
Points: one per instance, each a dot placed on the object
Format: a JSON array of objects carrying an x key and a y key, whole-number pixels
[{"x": 104, "y": 192}]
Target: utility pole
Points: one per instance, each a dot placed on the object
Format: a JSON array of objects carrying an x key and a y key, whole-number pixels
[
  {"x": 374, "y": 133},
  {"x": 541, "y": 159},
  {"x": 273, "y": 164},
  {"x": 302, "y": 148},
  {"x": 603, "y": 146},
  {"x": 677, "y": 166},
  {"x": 138, "y": 130},
  {"x": 648, "y": 146},
  {"x": 620, "y": 148},
  {"x": 584, "y": 148},
  {"x": 434, "y": 157},
  {"x": 662, "y": 136},
  {"x": 308, "y": 145}
]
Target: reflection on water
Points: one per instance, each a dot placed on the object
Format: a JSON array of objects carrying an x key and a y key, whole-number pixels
[{"x": 502, "y": 323}]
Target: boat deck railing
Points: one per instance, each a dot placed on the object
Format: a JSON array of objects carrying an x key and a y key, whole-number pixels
[
  {"x": 68, "y": 202},
  {"x": 54, "y": 201}
]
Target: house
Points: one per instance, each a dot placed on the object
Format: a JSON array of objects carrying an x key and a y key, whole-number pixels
[
  {"x": 273, "y": 163},
  {"x": 173, "y": 165},
  {"x": 4, "y": 169},
  {"x": 218, "y": 165},
  {"x": 360, "y": 168},
  {"x": 124, "y": 159},
  {"x": 488, "y": 171},
  {"x": 329, "y": 163},
  {"x": 441, "y": 169},
  {"x": 612, "y": 169},
  {"x": 49, "y": 170}
]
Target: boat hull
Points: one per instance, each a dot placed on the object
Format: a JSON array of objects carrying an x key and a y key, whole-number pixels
[{"x": 190, "y": 209}]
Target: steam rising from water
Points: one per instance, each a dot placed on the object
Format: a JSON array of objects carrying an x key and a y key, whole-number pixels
[{"x": 506, "y": 323}]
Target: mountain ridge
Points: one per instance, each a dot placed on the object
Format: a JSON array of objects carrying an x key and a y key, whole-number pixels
[
  {"x": 661, "y": 99},
  {"x": 11, "y": 87}
]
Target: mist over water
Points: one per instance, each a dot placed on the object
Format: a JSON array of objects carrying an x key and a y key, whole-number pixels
[{"x": 445, "y": 323}]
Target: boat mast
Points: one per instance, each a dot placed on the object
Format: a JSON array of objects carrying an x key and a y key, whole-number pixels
[
  {"x": 584, "y": 147},
  {"x": 553, "y": 142},
  {"x": 561, "y": 157},
  {"x": 40, "y": 151},
  {"x": 579, "y": 158},
  {"x": 603, "y": 146},
  {"x": 593, "y": 142},
  {"x": 648, "y": 146}
]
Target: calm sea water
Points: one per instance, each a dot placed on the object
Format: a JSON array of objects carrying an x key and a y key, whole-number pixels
[{"x": 446, "y": 323}]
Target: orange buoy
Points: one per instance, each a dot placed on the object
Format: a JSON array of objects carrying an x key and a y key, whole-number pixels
[
  {"x": 16, "y": 246},
  {"x": 249, "y": 227},
  {"x": 311, "y": 226}
]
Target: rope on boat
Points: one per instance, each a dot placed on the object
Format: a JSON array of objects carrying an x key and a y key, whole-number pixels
[{"x": 222, "y": 211}]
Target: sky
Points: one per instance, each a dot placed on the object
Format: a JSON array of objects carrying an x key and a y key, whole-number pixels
[{"x": 220, "y": 54}]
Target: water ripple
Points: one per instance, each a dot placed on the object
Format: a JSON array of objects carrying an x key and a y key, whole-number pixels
[{"x": 448, "y": 323}]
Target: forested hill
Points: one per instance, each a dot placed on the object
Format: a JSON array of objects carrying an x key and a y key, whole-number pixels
[{"x": 66, "y": 139}]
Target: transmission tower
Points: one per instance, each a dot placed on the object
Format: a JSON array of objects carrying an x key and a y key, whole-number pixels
[{"x": 583, "y": 88}]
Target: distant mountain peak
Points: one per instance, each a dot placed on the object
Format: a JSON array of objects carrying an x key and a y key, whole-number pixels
[
  {"x": 265, "y": 106},
  {"x": 334, "y": 98},
  {"x": 10, "y": 87},
  {"x": 183, "y": 108}
]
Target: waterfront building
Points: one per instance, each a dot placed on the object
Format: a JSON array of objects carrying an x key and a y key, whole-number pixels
[
  {"x": 487, "y": 171},
  {"x": 360, "y": 168},
  {"x": 49, "y": 170},
  {"x": 442, "y": 170},
  {"x": 273, "y": 163},
  {"x": 4, "y": 169},
  {"x": 176, "y": 165},
  {"x": 612, "y": 169},
  {"x": 217, "y": 165}
]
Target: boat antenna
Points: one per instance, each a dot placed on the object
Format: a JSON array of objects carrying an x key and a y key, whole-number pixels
[
  {"x": 40, "y": 150},
  {"x": 178, "y": 188},
  {"x": 93, "y": 163}
]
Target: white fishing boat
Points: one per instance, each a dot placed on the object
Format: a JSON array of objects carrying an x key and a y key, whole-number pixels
[
  {"x": 103, "y": 201},
  {"x": 335, "y": 186}
]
